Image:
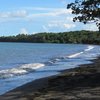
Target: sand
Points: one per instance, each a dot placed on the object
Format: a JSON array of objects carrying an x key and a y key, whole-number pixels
[{"x": 81, "y": 83}]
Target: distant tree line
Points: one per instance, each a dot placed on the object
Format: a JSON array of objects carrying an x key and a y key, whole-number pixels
[{"x": 82, "y": 37}]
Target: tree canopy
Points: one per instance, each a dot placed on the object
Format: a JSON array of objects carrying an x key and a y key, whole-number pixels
[
  {"x": 82, "y": 37},
  {"x": 86, "y": 11}
]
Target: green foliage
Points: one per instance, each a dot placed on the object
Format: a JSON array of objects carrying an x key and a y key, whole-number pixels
[
  {"x": 85, "y": 37},
  {"x": 86, "y": 11}
]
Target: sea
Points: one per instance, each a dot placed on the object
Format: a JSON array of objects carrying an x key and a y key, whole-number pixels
[{"x": 21, "y": 63}]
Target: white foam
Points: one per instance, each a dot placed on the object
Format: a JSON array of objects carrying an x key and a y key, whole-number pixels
[
  {"x": 89, "y": 48},
  {"x": 75, "y": 55},
  {"x": 32, "y": 66},
  {"x": 57, "y": 59},
  {"x": 17, "y": 71},
  {"x": 13, "y": 71},
  {"x": 26, "y": 68}
]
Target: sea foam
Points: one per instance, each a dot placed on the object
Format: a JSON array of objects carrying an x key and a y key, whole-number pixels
[
  {"x": 89, "y": 48},
  {"x": 79, "y": 53},
  {"x": 23, "y": 69}
]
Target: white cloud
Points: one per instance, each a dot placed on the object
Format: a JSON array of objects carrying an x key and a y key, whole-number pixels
[
  {"x": 34, "y": 33},
  {"x": 68, "y": 26},
  {"x": 53, "y": 25},
  {"x": 50, "y": 18},
  {"x": 45, "y": 28},
  {"x": 46, "y": 12},
  {"x": 29, "y": 15},
  {"x": 69, "y": 18},
  {"x": 66, "y": 23},
  {"x": 21, "y": 13},
  {"x": 44, "y": 9},
  {"x": 62, "y": 25},
  {"x": 23, "y": 31},
  {"x": 91, "y": 27},
  {"x": 38, "y": 8},
  {"x": 54, "y": 12}
]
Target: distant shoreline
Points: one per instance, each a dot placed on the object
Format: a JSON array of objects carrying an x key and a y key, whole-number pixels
[
  {"x": 76, "y": 37},
  {"x": 81, "y": 83}
]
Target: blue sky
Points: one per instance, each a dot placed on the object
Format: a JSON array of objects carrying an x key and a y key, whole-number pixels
[{"x": 33, "y": 16}]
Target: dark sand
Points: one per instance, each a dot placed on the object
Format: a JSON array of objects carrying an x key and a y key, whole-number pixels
[{"x": 81, "y": 83}]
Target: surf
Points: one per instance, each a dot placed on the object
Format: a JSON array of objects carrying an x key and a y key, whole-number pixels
[{"x": 23, "y": 69}]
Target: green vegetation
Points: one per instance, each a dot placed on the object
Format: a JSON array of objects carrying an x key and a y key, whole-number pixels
[
  {"x": 86, "y": 11},
  {"x": 85, "y": 37}
]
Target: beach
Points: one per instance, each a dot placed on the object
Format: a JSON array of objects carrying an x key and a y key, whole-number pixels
[
  {"x": 50, "y": 50},
  {"x": 80, "y": 83}
]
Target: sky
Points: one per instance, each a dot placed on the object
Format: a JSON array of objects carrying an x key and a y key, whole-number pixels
[{"x": 35, "y": 16}]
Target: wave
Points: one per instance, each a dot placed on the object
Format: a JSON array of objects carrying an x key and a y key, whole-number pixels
[
  {"x": 79, "y": 53},
  {"x": 26, "y": 68},
  {"x": 53, "y": 61},
  {"x": 89, "y": 48},
  {"x": 75, "y": 55}
]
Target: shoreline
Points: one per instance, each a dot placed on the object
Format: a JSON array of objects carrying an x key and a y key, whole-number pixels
[{"x": 80, "y": 83}]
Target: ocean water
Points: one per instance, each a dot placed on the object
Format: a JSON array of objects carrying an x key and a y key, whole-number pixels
[{"x": 21, "y": 63}]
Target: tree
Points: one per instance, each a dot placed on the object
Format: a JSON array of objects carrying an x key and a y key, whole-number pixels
[{"x": 87, "y": 11}]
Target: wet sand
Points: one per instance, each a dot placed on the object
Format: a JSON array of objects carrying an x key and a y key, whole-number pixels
[{"x": 81, "y": 83}]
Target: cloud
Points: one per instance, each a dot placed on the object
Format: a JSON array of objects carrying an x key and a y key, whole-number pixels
[
  {"x": 21, "y": 13},
  {"x": 69, "y": 18},
  {"x": 29, "y": 14},
  {"x": 48, "y": 18},
  {"x": 62, "y": 25},
  {"x": 65, "y": 23},
  {"x": 53, "y": 25},
  {"x": 38, "y": 8},
  {"x": 45, "y": 28},
  {"x": 68, "y": 26},
  {"x": 46, "y": 12},
  {"x": 90, "y": 27},
  {"x": 34, "y": 33},
  {"x": 52, "y": 13},
  {"x": 23, "y": 31}
]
